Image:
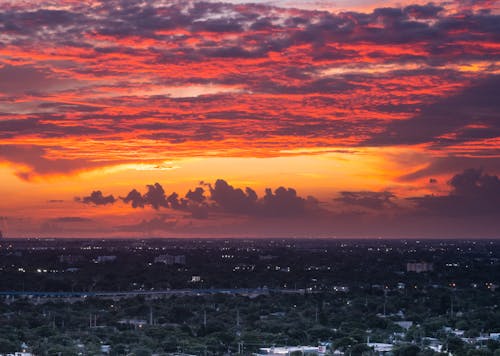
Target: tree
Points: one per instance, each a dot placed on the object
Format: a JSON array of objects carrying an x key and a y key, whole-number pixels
[
  {"x": 360, "y": 349},
  {"x": 7, "y": 346},
  {"x": 142, "y": 351},
  {"x": 407, "y": 350},
  {"x": 455, "y": 345}
]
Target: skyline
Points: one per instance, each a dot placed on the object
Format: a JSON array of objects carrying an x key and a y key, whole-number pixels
[{"x": 286, "y": 118}]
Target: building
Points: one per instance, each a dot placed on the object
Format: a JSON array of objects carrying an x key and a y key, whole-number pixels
[
  {"x": 171, "y": 259},
  {"x": 104, "y": 259},
  {"x": 419, "y": 267},
  {"x": 404, "y": 324},
  {"x": 288, "y": 350},
  {"x": 106, "y": 349},
  {"x": 495, "y": 336},
  {"x": 136, "y": 323},
  {"x": 380, "y": 348},
  {"x": 71, "y": 259},
  {"x": 195, "y": 279}
]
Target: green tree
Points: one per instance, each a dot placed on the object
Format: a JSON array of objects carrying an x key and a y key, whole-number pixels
[
  {"x": 8, "y": 346},
  {"x": 407, "y": 350}
]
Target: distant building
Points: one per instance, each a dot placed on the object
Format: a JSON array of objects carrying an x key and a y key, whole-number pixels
[
  {"x": 419, "y": 267},
  {"x": 455, "y": 332},
  {"x": 495, "y": 336},
  {"x": 288, "y": 350},
  {"x": 71, "y": 259},
  {"x": 266, "y": 257},
  {"x": 137, "y": 323},
  {"x": 380, "y": 347},
  {"x": 404, "y": 324},
  {"x": 343, "y": 289},
  {"x": 104, "y": 259},
  {"x": 105, "y": 349},
  {"x": 434, "y": 344},
  {"x": 171, "y": 259}
]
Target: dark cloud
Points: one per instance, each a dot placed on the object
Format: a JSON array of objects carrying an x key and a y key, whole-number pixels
[
  {"x": 136, "y": 18},
  {"x": 217, "y": 25},
  {"x": 197, "y": 195},
  {"x": 467, "y": 116},
  {"x": 367, "y": 199},
  {"x": 473, "y": 193},
  {"x": 97, "y": 198},
  {"x": 233, "y": 200},
  {"x": 428, "y": 11},
  {"x": 282, "y": 202},
  {"x": 155, "y": 197},
  {"x": 33, "y": 162},
  {"x": 135, "y": 198},
  {"x": 195, "y": 203},
  {"x": 451, "y": 164},
  {"x": 24, "y": 79},
  {"x": 47, "y": 126}
]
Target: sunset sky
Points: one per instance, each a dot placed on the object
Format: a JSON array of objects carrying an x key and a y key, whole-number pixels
[{"x": 287, "y": 118}]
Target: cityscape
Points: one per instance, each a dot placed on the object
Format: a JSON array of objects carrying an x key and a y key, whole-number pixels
[{"x": 250, "y": 296}]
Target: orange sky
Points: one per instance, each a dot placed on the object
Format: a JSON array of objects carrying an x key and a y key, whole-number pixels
[{"x": 378, "y": 118}]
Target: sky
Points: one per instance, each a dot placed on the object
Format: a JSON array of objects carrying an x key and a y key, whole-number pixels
[{"x": 292, "y": 118}]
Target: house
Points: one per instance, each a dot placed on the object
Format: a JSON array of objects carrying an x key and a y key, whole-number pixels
[
  {"x": 495, "y": 336},
  {"x": 434, "y": 344},
  {"x": 380, "y": 347},
  {"x": 404, "y": 324},
  {"x": 105, "y": 349}
]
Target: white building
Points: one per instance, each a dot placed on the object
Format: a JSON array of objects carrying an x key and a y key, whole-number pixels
[
  {"x": 287, "y": 350},
  {"x": 380, "y": 347},
  {"x": 404, "y": 324}
]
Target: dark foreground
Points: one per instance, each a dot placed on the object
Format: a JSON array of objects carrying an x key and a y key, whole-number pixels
[{"x": 210, "y": 297}]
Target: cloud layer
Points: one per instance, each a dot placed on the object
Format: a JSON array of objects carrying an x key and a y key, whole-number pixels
[{"x": 169, "y": 78}]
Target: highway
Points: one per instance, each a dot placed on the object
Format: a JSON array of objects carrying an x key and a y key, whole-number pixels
[{"x": 146, "y": 293}]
